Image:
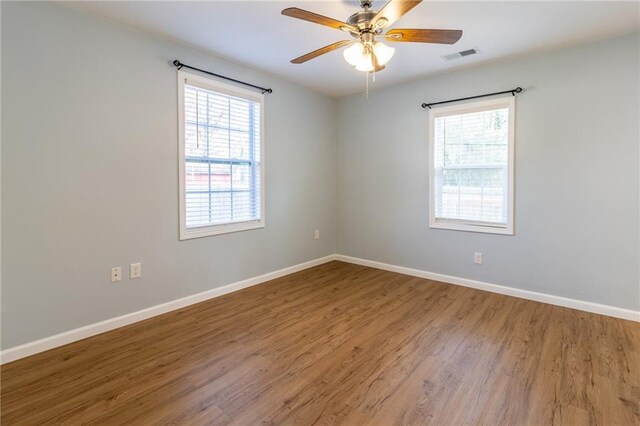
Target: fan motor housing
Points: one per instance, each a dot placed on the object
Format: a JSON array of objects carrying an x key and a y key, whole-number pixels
[{"x": 362, "y": 19}]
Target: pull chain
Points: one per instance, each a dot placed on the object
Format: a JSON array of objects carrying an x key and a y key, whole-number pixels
[
  {"x": 366, "y": 76},
  {"x": 373, "y": 80}
]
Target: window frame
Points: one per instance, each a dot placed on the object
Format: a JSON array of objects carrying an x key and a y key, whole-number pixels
[
  {"x": 470, "y": 225},
  {"x": 229, "y": 90}
]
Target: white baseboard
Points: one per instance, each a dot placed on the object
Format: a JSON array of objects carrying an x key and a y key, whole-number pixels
[
  {"x": 47, "y": 343},
  {"x": 596, "y": 308}
]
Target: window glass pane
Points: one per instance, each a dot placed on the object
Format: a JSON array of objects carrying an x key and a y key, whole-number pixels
[
  {"x": 255, "y": 132},
  {"x": 197, "y": 208},
  {"x": 471, "y": 194},
  {"x": 217, "y": 111},
  {"x": 196, "y": 176},
  {"x": 193, "y": 142},
  {"x": 240, "y": 114},
  {"x": 222, "y": 145},
  {"x": 241, "y": 177},
  {"x": 190, "y": 110},
  {"x": 471, "y": 153},
  {"x": 243, "y": 206},
  {"x": 221, "y": 177},
  {"x": 240, "y": 145},
  {"x": 219, "y": 142},
  {"x": 220, "y": 208}
]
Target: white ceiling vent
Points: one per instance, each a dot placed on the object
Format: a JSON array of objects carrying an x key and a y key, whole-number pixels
[{"x": 460, "y": 54}]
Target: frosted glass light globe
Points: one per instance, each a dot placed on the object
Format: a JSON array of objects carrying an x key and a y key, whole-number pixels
[
  {"x": 366, "y": 64},
  {"x": 383, "y": 52},
  {"x": 354, "y": 54}
]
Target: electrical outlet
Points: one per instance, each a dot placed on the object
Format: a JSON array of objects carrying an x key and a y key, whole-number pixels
[
  {"x": 116, "y": 274},
  {"x": 316, "y": 235},
  {"x": 135, "y": 271},
  {"x": 477, "y": 258}
]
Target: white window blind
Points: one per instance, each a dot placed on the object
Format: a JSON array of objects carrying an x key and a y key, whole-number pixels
[
  {"x": 221, "y": 158},
  {"x": 472, "y": 166}
]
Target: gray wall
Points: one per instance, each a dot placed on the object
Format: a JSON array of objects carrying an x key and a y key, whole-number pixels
[
  {"x": 89, "y": 174},
  {"x": 577, "y": 182}
]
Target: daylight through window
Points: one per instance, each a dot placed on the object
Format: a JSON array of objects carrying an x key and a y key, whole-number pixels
[
  {"x": 221, "y": 177},
  {"x": 472, "y": 166}
]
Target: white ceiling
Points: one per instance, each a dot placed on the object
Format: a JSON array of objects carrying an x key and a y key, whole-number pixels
[{"x": 255, "y": 33}]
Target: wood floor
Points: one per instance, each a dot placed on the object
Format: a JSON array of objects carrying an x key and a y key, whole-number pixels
[{"x": 345, "y": 344}]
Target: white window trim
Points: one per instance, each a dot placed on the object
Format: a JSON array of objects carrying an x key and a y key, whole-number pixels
[
  {"x": 467, "y": 225},
  {"x": 227, "y": 89}
]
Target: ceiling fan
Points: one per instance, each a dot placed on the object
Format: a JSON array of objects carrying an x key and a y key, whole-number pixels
[{"x": 366, "y": 27}]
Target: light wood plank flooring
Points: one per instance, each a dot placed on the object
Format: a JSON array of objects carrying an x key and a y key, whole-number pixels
[{"x": 345, "y": 344}]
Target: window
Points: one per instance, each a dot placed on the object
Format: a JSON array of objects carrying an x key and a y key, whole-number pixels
[
  {"x": 471, "y": 173},
  {"x": 221, "y": 151}
]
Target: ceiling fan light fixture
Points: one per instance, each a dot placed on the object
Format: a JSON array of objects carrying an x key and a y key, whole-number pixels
[
  {"x": 383, "y": 52},
  {"x": 366, "y": 64},
  {"x": 363, "y": 52},
  {"x": 354, "y": 54}
]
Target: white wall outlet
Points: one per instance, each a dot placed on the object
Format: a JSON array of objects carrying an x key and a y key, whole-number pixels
[
  {"x": 116, "y": 274},
  {"x": 136, "y": 270},
  {"x": 477, "y": 258},
  {"x": 316, "y": 235}
]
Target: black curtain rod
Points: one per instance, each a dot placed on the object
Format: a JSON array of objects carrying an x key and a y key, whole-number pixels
[
  {"x": 512, "y": 91},
  {"x": 180, "y": 65}
]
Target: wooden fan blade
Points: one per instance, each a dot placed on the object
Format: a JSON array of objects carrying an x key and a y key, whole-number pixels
[
  {"x": 392, "y": 11},
  {"x": 321, "y": 51},
  {"x": 423, "y": 36},
  {"x": 305, "y": 15}
]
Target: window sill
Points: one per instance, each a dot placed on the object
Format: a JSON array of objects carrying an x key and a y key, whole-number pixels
[
  {"x": 207, "y": 231},
  {"x": 472, "y": 227}
]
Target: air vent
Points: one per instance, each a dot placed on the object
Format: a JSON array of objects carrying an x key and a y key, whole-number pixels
[
  {"x": 460, "y": 54},
  {"x": 468, "y": 52}
]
